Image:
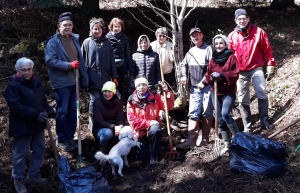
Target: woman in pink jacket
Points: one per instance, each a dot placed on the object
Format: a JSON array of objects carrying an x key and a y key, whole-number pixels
[{"x": 143, "y": 116}]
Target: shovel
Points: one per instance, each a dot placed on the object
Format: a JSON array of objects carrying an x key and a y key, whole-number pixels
[
  {"x": 80, "y": 162},
  {"x": 172, "y": 154},
  {"x": 218, "y": 143}
]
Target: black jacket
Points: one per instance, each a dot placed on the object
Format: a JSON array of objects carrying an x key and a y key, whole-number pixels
[
  {"x": 25, "y": 99},
  {"x": 107, "y": 114}
]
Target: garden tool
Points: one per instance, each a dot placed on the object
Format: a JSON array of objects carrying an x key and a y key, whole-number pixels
[
  {"x": 52, "y": 142},
  {"x": 218, "y": 143},
  {"x": 172, "y": 154},
  {"x": 80, "y": 162}
]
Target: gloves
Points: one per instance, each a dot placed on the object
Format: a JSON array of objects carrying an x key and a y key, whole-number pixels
[
  {"x": 270, "y": 72},
  {"x": 52, "y": 114},
  {"x": 214, "y": 75},
  {"x": 115, "y": 80},
  {"x": 75, "y": 64},
  {"x": 43, "y": 117}
]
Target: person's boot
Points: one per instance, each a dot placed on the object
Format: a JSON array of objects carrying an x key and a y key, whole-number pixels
[
  {"x": 226, "y": 136},
  {"x": 193, "y": 128},
  {"x": 246, "y": 117},
  {"x": 233, "y": 129},
  {"x": 263, "y": 114},
  {"x": 203, "y": 139}
]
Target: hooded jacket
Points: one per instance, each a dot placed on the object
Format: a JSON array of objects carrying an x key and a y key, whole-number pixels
[
  {"x": 140, "y": 114},
  {"x": 121, "y": 48},
  {"x": 146, "y": 64},
  {"x": 99, "y": 61},
  {"x": 57, "y": 62},
  {"x": 253, "y": 49},
  {"x": 25, "y": 99},
  {"x": 107, "y": 114},
  {"x": 165, "y": 52}
]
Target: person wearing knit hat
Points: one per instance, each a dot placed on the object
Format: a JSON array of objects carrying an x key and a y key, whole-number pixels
[
  {"x": 99, "y": 60},
  {"x": 108, "y": 116},
  {"x": 253, "y": 50},
  {"x": 63, "y": 58},
  {"x": 143, "y": 116},
  {"x": 150, "y": 68},
  {"x": 166, "y": 54},
  {"x": 223, "y": 68}
]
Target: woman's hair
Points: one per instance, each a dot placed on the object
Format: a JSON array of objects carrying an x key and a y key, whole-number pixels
[
  {"x": 116, "y": 20},
  {"x": 99, "y": 21},
  {"x": 23, "y": 60}
]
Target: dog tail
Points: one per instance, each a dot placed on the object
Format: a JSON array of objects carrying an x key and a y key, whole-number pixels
[{"x": 100, "y": 156}]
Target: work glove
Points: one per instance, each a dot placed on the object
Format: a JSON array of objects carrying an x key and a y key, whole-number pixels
[
  {"x": 43, "y": 117},
  {"x": 52, "y": 114},
  {"x": 75, "y": 64},
  {"x": 270, "y": 72},
  {"x": 115, "y": 80}
]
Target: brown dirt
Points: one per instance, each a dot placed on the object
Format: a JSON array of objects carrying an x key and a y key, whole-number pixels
[{"x": 196, "y": 170}]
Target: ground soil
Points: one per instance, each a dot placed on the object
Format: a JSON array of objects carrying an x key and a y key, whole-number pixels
[{"x": 196, "y": 170}]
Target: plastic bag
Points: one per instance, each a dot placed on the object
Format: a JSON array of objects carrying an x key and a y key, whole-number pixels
[
  {"x": 83, "y": 180},
  {"x": 254, "y": 154}
]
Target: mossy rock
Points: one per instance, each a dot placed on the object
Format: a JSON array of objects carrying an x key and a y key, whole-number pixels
[{"x": 27, "y": 47}]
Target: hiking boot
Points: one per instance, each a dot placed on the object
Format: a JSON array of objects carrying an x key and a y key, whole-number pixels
[
  {"x": 64, "y": 146},
  {"x": 73, "y": 143},
  {"x": 19, "y": 185},
  {"x": 36, "y": 181}
]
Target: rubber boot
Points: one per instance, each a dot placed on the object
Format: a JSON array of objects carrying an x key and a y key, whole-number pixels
[
  {"x": 226, "y": 135},
  {"x": 203, "y": 137},
  {"x": 246, "y": 117},
  {"x": 233, "y": 129},
  {"x": 263, "y": 114},
  {"x": 192, "y": 135}
]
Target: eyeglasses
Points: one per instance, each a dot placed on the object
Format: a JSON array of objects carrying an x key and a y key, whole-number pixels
[
  {"x": 142, "y": 85},
  {"x": 162, "y": 36},
  {"x": 26, "y": 69}
]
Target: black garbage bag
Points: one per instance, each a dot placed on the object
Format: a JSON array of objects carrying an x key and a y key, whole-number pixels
[
  {"x": 83, "y": 180},
  {"x": 254, "y": 154}
]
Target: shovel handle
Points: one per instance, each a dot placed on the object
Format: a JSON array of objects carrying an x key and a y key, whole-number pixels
[{"x": 216, "y": 106}]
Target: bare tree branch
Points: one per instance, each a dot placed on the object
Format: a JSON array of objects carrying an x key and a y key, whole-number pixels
[
  {"x": 138, "y": 20},
  {"x": 191, "y": 10}
]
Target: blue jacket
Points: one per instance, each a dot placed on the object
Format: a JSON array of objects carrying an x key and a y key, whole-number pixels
[
  {"x": 57, "y": 62},
  {"x": 25, "y": 99}
]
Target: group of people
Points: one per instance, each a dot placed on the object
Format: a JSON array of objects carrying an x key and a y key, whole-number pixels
[{"x": 102, "y": 62}]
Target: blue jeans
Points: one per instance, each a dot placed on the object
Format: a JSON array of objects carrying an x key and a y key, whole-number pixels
[
  {"x": 104, "y": 135},
  {"x": 20, "y": 146},
  {"x": 200, "y": 99},
  {"x": 66, "y": 113},
  {"x": 225, "y": 105},
  {"x": 150, "y": 145}
]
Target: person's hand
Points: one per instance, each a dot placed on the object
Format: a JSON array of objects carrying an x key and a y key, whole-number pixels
[
  {"x": 183, "y": 80},
  {"x": 200, "y": 85},
  {"x": 75, "y": 64},
  {"x": 270, "y": 72},
  {"x": 115, "y": 80},
  {"x": 117, "y": 130},
  {"x": 52, "y": 114},
  {"x": 153, "y": 122},
  {"x": 215, "y": 75},
  {"x": 43, "y": 117}
]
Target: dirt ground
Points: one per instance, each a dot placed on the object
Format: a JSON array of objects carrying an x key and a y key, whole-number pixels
[{"x": 196, "y": 170}]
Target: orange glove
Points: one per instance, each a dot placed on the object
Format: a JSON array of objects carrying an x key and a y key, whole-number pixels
[{"x": 115, "y": 80}]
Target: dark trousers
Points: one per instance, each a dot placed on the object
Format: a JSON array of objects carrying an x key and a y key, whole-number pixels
[{"x": 122, "y": 71}]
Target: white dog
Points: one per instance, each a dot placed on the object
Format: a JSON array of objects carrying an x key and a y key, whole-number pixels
[{"x": 128, "y": 139}]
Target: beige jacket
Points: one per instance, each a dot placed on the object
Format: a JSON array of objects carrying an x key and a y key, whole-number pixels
[{"x": 165, "y": 52}]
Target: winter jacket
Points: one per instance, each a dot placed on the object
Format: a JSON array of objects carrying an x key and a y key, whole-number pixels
[
  {"x": 252, "y": 51},
  {"x": 57, "y": 62},
  {"x": 107, "y": 114},
  {"x": 146, "y": 64},
  {"x": 166, "y": 55},
  {"x": 196, "y": 60},
  {"x": 121, "y": 48},
  {"x": 140, "y": 114},
  {"x": 99, "y": 61},
  {"x": 25, "y": 99},
  {"x": 230, "y": 70}
]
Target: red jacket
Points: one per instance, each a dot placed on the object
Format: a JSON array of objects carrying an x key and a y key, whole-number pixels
[
  {"x": 253, "y": 51},
  {"x": 139, "y": 114},
  {"x": 230, "y": 71}
]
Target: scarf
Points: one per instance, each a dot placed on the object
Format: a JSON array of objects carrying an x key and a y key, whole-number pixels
[
  {"x": 142, "y": 98},
  {"x": 221, "y": 57}
]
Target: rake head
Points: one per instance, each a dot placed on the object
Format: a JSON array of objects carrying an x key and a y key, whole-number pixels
[
  {"x": 217, "y": 148},
  {"x": 172, "y": 154}
]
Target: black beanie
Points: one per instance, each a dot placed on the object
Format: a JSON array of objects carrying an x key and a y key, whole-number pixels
[
  {"x": 65, "y": 16},
  {"x": 240, "y": 12}
]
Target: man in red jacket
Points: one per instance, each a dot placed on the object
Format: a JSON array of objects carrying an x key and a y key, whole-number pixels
[{"x": 253, "y": 51}]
